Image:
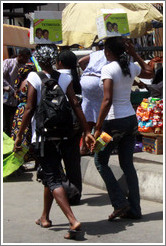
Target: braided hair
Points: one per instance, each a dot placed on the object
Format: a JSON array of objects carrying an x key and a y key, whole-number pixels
[{"x": 117, "y": 47}]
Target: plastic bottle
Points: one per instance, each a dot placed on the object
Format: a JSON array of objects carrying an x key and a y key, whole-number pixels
[{"x": 102, "y": 141}]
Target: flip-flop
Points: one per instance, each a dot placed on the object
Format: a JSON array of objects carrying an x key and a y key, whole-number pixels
[
  {"x": 73, "y": 234},
  {"x": 38, "y": 222}
]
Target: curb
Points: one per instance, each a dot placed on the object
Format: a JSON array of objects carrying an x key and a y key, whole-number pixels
[{"x": 149, "y": 170}]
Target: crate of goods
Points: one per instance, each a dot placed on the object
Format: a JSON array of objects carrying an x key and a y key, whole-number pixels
[{"x": 152, "y": 145}]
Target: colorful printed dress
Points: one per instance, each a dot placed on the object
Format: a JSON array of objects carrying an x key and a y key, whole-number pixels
[{"x": 22, "y": 98}]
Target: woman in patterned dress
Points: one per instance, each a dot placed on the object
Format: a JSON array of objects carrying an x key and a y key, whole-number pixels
[{"x": 21, "y": 88}]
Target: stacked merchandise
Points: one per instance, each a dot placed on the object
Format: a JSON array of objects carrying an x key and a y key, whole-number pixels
[
  {"x": 150, "y": 116},
  {"x": 150, "y": 124}
]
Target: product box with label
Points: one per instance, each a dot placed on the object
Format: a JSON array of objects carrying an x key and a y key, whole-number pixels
[
  {"x": 46, "y": 27},
  {"x": 153, "y": 145},
  {"x": 113, "y": 23}
]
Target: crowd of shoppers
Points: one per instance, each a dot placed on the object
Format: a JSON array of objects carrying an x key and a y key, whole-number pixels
[
  {"x": 46, "y": 57},
  {"x": 105, "y": 87}
]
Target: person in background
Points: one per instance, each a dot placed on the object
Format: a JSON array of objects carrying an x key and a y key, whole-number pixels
[
  {"x": 137, "y": 46},
  {"x": 46, "y": 57},
  {"x": 10, "y": 72},
  {"x": 156, "y": 88},
  {"x": 21, "y": 88},
  {"x": 117, "y": 118},
  {"x": 91, "y": 92},
  {"x": 66, "y": 62}
]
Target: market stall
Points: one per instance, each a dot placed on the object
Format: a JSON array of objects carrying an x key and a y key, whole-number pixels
[{"x": 150, "y": 124}]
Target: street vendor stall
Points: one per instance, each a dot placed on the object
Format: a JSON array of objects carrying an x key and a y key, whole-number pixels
[{"x": 150, "y": 124}]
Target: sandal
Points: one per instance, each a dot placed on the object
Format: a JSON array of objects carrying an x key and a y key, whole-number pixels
[
  {"x": 44, "y": 225},
  {"x": 118, "y": 212},
  {"x": 73, "y": 233}
]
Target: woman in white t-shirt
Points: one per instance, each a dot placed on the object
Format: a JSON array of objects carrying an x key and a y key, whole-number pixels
[
  {"x": 46, "y": 57},
  {"x": 66, "y": 63},
  {"x": 117, "y": 118}
]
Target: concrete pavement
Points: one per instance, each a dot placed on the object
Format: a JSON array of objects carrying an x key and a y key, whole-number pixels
[{"x": 22, "y": 204}]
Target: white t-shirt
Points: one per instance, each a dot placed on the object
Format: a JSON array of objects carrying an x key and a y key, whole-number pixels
[
  {"x": 38, "y": 40},
  {"x": 35, "y": 81},
  {"x": 46, "y": 41},
  {"x": 121, "y": 106},
  {"x": 113, "y": 33},
  {"x": 66, "y": 71}
]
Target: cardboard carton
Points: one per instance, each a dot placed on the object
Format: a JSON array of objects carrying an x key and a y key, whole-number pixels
[
  {"x": 153, "y": 145},
  {"x": 46, "y": 27},
  {"x": 112, "y": 24}
]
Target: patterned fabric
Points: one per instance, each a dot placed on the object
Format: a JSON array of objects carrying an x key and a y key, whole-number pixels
[
  {"x": 17, "y": 123},
  {"x": 23, "y": 72},
  {"x": 22, "y": 98},
  {"x": 10, "y": 72}
]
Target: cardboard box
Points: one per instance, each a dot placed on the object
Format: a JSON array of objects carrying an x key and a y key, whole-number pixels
[
  {"x": 112, "y": 24},
  {"x": 153, "y": 145},
  {"x": 46, "y": 27}
]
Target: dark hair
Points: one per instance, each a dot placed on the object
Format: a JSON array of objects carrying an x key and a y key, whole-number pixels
[
  {"x": 69, "y": 60},
  {"x": 24, "y": 52},
  {"x": 114, "y": 24},
  {"x": 45, "y": 30},
  {"x": 38, "y": 29},
  {"x": 108, "y": 23},
  {"x": 117, "y": 47}
]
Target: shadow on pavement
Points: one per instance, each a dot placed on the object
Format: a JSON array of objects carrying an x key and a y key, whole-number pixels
[
  {"x": 105, "y": 227},
  {"x": 99, "y": 199},
  {"x": 80, "y": 236}
]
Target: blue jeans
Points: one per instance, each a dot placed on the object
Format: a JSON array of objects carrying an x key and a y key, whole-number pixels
[{"x": 123, "y": 132}]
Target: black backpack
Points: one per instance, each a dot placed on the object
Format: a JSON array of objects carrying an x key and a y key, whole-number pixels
[{"x": 54, "y": 116}]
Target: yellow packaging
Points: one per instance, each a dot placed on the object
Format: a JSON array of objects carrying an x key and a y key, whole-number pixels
[{"x": 102, "y": 141}]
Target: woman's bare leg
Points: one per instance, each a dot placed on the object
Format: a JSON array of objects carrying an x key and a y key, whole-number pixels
[
  {"x": 48, "y": 199},
  {"x": 60, "y": 196}
]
